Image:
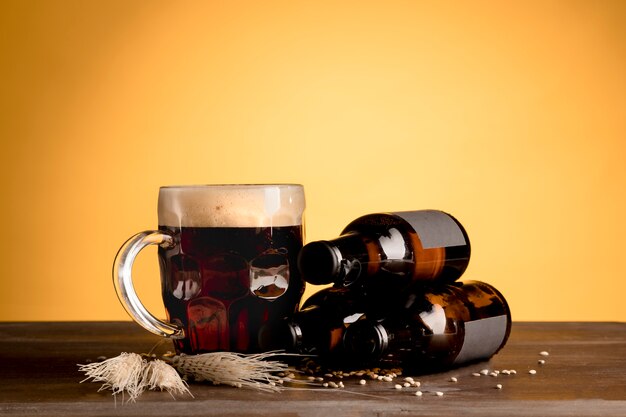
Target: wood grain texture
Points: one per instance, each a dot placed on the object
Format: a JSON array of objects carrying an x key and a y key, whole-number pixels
[{"x": 585, "y": 375}]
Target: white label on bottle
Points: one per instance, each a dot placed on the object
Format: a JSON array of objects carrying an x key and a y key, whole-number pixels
[
  {"x": 482, "y": 338},
  {"x": 435, "y": 229}
]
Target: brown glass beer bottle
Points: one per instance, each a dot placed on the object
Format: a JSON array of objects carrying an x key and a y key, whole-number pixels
[
  {"x": 441, "y": 328},
  {"x": 318, "y": 327},
  {"x": 389, "y": 252}
]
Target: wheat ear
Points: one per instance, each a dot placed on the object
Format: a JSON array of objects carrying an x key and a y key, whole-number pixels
[
  {"x": 120, "y": 374},
  {"x": 235, "y": 369}
]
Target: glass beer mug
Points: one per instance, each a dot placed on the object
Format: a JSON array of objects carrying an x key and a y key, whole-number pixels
[{"x": 227, "y": 255}]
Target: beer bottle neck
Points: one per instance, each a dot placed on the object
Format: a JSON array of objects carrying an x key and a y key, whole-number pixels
[
  {"x": 367, "y": 341},
  {"x": 281, "y": 335},
  {"x": 314, "y": 330},
  {"x": 341, "y": 260}
]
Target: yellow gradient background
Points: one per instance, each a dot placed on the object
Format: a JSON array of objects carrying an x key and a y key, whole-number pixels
[{"x": 511, "y": 115}]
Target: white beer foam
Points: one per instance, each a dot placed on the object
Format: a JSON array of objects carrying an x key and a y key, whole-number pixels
[{"x": 231, "y": 205}]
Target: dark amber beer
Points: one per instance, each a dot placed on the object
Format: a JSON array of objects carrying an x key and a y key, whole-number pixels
[
  {"x": 222, "y": 283},
  {"x": 227, "y": 255}
]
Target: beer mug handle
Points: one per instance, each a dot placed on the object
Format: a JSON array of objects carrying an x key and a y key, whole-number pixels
[{"x": 123, "y": 282}]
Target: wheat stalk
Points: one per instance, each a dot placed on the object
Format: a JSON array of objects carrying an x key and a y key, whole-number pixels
[
  {"x": 132, "y": 374},
  {"x": 235, "y": 369}
]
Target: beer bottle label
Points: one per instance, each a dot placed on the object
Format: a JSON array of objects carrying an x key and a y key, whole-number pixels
[
  {"x": 435, "y": 229},
  {"x": 482, "y": 338}
]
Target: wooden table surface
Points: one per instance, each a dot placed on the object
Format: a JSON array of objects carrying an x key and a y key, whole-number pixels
[{"x": 584, "y": 375}]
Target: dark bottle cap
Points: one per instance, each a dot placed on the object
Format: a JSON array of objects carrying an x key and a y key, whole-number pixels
[
  {"x": 281, "y": 335},
  {"x": 319, "y": 263},
  {"x": 366, "y": 340}
]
